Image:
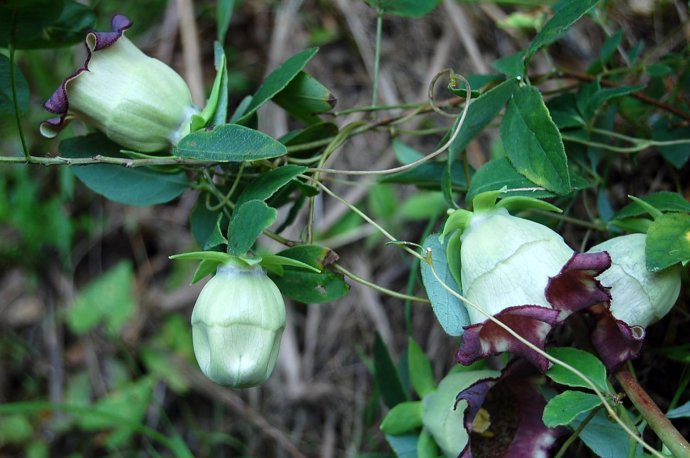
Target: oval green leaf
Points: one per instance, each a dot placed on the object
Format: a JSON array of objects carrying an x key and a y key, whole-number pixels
[
  {"x": 229, "y": 143},
  {"x": 533, "y": 143},
  {"x": 128, "y": 185}
]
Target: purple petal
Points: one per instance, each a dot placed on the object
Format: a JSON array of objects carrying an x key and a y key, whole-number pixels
[
  {"x": 531, "y": 322},
  {"x": 515, "y": 408},
  {"x": 58, "y": 103},
  {"x": 575, "y": 287},
  {"x": 615, "y": 341}
]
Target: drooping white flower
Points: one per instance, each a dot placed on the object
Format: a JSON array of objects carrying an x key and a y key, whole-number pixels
[
  {"x": 507, "y": 261},
  {"x": 237, "y": 323},
  {"x": 639, "y": 297},
  {"x": 136, "y": 100}
]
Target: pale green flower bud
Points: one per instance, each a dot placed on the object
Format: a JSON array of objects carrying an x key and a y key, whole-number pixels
[
  {"x": 639, "y": 297},
  {"x": 507, "y": 261},
  {"x": 237, "y": 324},
  {"x": 137, "y": 101}
]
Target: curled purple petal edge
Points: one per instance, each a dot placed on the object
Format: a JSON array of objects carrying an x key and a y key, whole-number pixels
[
  {"x": 615, "y": 341},
  {"x": 484, "y": 339},
  {"x": 58, "y": 103},
  {"x": 575, "y": 287}
]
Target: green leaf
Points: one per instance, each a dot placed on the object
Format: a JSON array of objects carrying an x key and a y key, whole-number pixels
[
  {"x": 668, "y": 241},
  {"x": 248, "y": 222},
  {"x": 603, "y": 436},
  {"x": 499, "y": 173},
  {"x": 6, "y": 97},
  {"x": 267, "y": 184},
  {"x": 402, "y": 418},
  {"x": 481, "y": 112},
  {"x": 450, "y": 312},
  {"x": 677, "y": 155},
  {"x": 680, "y": 411},
  {"x": 305, "y": 97},
  {"x": 109, "y": 300},
  {"x": 44, "y": 23},
  {"x": 664, "y": 201},
  {"x": 404, "y": 446},
  {"x": 406, "y": 8},
  {"x": 512, "y": 66},
  {"x": 387, "y": 376},
  {"x": 581, "y": 360},
  {"x": 160, "y": 364},
  {"x": 278, "y": 80},
  {"x": 565, "y": 407},
  {"x": 313, "y": 133},
  {"x": 533, "y": 143},
  {"x": 224, "y": 10},
  {"x": 229, "y": 143},
  {"x": 405, "y": 153},
  {"x": 215, "y": 256},
  {"x": 564, "y": 17},
  {"x": 421, "y": 374},
  {"x": 217, "y": 236},
  {"x": 202, "y": 221},
  {"x": 592, "y": 97},
  {"x": 310, "y": 287},
  {"x": 128, "y": 185},
  {"x": 442, "y": 418}
]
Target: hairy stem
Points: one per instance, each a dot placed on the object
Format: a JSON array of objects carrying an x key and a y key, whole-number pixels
[{"x": 656, "y": 419}]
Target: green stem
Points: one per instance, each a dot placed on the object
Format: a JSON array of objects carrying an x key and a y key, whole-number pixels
[
  {"x": 377, "y": 57},
  {"x": 576, "y": 433},
  {"x": 639, "y": 144},
  {"x": 378, "y": 288},
  {"x": 656, "y": 419}
]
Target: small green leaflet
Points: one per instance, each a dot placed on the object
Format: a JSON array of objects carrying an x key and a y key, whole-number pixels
[
  {"x": 277, "y": 81},
  {"x": 229, "y": 143},
  {"x": 533, "y": 143},
  {"x": 248, "y": 222},
  {"x": 581, "y": 360},
  {"x": 567, "y": 406},
  {"x": 664, "y": 201},
  {"x": 421, "y": 374},
  {"x": 269, "y": 183},
  {"x": 305, "y": 97},
  {"x": 564, "y": 17},
  {"x": 668, "y": 241},
  {"x": 387, "y": 376}
]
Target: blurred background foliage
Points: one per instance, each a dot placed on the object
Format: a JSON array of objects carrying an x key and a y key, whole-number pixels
[{"x": 95, "y": 344}]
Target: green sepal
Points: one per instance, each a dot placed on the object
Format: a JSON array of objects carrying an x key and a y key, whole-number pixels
[
  {"x": 653, "y": 211},
  {"x": 640, "y": 225},
  {"x": 275, "y": 263},
  {"x": 487, "y": 199},
  {"x": 210, "y": 260},
  {"x": 426, "y": 447},
  {"x": 200, "y": 120},
  {"x": 402, "y": 418},
  {"x": 457, "y": 220},
  {"x": 516, "y": 203},
  {"x": 453, "y": 256}
]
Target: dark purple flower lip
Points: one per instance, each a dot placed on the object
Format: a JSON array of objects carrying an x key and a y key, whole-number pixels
[
  {"x": 574, "y": 288},
  {"x": 58, "y": 103},
  {"x": 510, "y": 406},
  {"x": 616, "y": 341}
]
